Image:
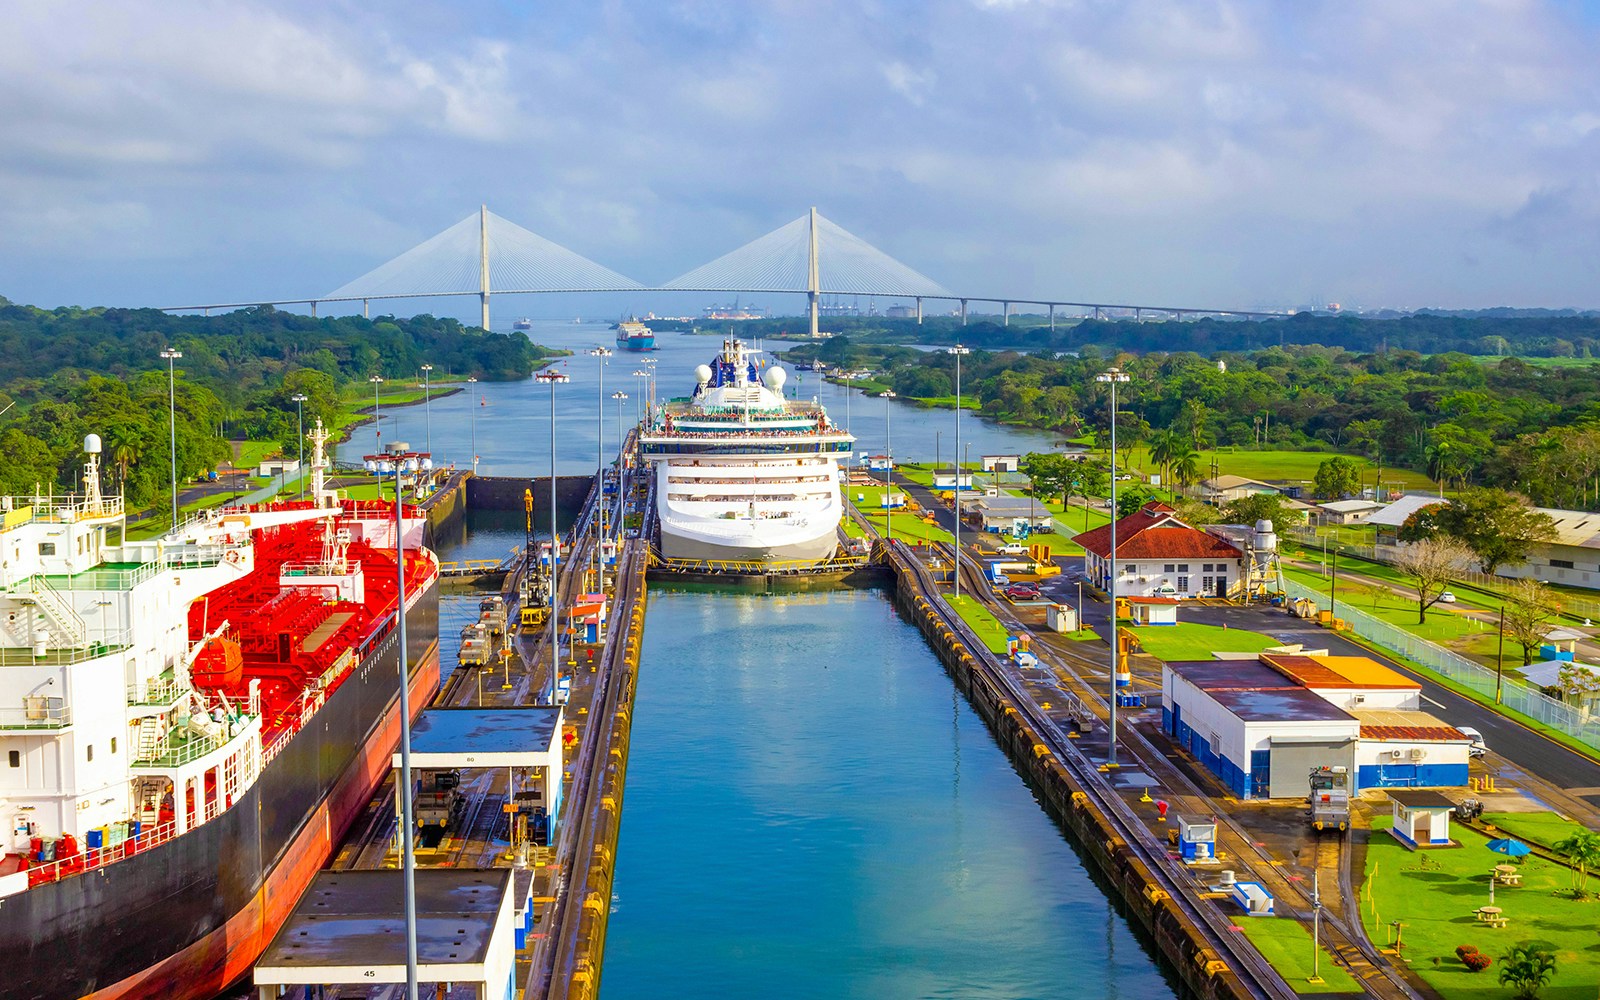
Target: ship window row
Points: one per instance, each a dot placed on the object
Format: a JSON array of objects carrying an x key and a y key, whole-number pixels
[
  {"x": 747, "y": 480},
  {"x": 745, "y": 497}
]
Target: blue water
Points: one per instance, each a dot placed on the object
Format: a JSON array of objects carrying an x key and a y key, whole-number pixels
[
  {"x": 509, "y": 422},
  {"x": 812, "y": 810}
]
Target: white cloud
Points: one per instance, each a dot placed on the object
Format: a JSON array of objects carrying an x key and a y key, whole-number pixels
[{"x": 1225, "y": 151}]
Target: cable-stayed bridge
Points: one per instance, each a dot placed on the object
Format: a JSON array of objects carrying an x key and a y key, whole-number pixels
[{"x": 486, "y": 255}]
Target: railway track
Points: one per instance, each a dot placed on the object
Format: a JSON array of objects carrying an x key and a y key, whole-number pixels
[
  {"x": 1254, "y": 972},
  {"x": 1352, "y": 947}
]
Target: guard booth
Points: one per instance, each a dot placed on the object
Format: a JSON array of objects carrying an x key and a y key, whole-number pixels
[
  {"x": 1421, "y": 817},
  {"x": 525, "y": 741},
  {"x": 1197, "y": 840},
  {"x": 349, "y": 930}
]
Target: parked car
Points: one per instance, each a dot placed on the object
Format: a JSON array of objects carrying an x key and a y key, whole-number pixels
[
  {"x": 1168, "y": 590},
  {"x": 1022, "y": 592},
  {"x": 1477, "y": 748},
  {"x": 1447, "y": 598},
  {"x": 1014, "y": 549}
]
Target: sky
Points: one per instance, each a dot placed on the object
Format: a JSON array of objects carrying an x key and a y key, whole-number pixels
[{"x": 1208, "y": 153}]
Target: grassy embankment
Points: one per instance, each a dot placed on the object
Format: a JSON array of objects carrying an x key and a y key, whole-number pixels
[
  {"x": 1434, "y": 896},
  {"x": 1287, "y": 945},
  {"x": 988, "y": 627}
]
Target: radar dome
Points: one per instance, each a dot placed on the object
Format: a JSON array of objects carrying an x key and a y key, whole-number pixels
[
  {"x": 91, "y": 444},
  {"x": 702, "y": 374},
  {"x": 775, "y": 377}
]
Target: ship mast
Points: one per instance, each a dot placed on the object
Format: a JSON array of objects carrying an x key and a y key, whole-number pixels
[{"x": 320, "y": 495}]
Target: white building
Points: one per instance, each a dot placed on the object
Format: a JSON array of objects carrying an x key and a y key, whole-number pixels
[
  {"x": 1348, "y": 511},
  {"x": 1261, "y": 726},
  {"x": 1160, "y": 556},
  {"x": 1002, "y": 463}
]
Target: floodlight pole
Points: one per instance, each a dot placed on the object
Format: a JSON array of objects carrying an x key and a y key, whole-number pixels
[
  {"x": 1113, "y": 377},
  {"x": 958, "y": 351},
  {"x": 552, "y": 379},
  {"x": 171, "y": 355},
  {"x": 300, "y": 422}
]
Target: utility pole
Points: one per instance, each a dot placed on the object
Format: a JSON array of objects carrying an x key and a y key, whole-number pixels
[
  {"x": 1499, "y": 660},
  {"x": 1113, "y": 377}
]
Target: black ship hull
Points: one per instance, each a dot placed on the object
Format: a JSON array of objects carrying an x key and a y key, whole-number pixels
[{"x": 188, "y": 917}]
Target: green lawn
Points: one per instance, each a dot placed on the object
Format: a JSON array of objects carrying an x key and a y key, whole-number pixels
[
  {"x": 1287, "y": 945},
  {"x": 1298, "y": 465},
  {"x": 1391, "y": 601},
  {"x": 907, "y": 526},
  {"x": 1193, "y": 641},
  {"x": 988, "y": 627},
  {"x": 1544, "y": 828},
  {"x": 248, "y": 454},
  {"x": 1434, "y": 895}
]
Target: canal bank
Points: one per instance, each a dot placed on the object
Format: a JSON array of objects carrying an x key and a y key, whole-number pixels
[
  {"x": 1211, "y": 964},
  {"x": 814, "y": 810}
]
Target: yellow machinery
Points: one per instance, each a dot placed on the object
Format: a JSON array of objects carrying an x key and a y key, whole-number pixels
[{"x": 533, "y": 618}]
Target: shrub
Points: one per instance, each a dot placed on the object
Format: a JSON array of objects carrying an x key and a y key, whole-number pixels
[
  {"x": 1476, "y": 961},
  {"x": 1463, "y": 951}
]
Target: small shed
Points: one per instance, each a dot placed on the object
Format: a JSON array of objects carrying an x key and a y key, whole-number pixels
[
  {"x": 1002, "y": 463},
  {"x": 1153, "y": 610},
  {"x": 1349, "y": 511},
  {"x": 1197, "y": 840},
  {"x": 275, "y": 466},
  {"x": 1421, "y": 817},
  {"x": 1061, "y": 618},
  {"x": 952, "y": 479}
]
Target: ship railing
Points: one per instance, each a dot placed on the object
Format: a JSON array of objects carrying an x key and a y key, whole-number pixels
[
  {"x": 37, "y": 712},
  {"x": 13, "y": 656},
  {"x": 156, "y": 691},
  {"x": 107, "y": 579},
  {"x": 136, "y": 838},
  {"x": 733, "y": 567},
  {"x": 58, "y": 509}
]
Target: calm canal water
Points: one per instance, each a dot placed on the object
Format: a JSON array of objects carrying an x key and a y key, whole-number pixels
[
  {"x": 813, "y": 810},
  {"x": 509, "y": 422}
]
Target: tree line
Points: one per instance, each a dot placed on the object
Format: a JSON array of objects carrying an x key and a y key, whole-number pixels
[
  {"x": 1461, "y": 419},
  {"x": 72, "y": 371}
]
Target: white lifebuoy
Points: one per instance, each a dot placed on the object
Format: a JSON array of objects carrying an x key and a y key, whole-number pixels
[{"x": 232, "y": 556}]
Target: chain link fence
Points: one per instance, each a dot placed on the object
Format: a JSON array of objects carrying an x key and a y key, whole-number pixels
[
  {"x": 1515, "y": 694},
  {"x": 1572, "y": 604}
]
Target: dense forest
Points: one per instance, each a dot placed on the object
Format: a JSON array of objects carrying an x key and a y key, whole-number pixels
[
  {"x": 1463, "y": 420},
  {"x": 1490, "y": 332},
  {"x": 68, "y": 372}
]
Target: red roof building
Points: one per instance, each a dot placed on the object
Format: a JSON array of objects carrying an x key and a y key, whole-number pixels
[{"x": 1160, "y": 556}]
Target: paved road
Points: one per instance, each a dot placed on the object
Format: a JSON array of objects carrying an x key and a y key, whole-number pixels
[{"x": 1517, "y": 745}]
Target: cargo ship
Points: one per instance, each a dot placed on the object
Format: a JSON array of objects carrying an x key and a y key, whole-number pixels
[
  {"x": 522, "y": 324},
  {"x": 743, "y": 474},
  {"x": 633, "y": 335},
  {"x": 189, "y": 724}
]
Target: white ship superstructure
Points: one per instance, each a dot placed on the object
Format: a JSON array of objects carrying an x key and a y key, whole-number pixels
[{"x": 744, "y": 474}]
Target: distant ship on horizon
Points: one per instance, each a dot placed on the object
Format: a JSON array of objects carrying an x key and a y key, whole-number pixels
[
  {"x": 523, "y": 324},
  {"x": 633, "y": 335}
]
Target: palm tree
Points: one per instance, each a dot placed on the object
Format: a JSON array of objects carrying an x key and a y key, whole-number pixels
[
  {"x": 1161, "y": 448},
  {"x": 123, "y": 448},
  {"x": 1186, "y": 464},
  {"x": 1526, "y": 970},
  {"x": 1583, "y": 853}
]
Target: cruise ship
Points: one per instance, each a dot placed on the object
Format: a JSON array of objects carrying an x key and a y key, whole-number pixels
[
  {"x": 743, "y": 474},
  {"x": 188, "y": 724}
]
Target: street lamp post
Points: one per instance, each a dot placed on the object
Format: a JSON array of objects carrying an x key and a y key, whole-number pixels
[
  {"x": 639, "y": 375},
  {"x": 958, "y": 351},
  {"x": 300, "y": 422},
  {"x": 553, "y": 378},
  {"x": 377, "y": 431},
  {"x": 472, "y": 380},
  {"x": 400, "y": 463},
  {"x": 427, "y": 394},
  {"x": 600, "y": 354},
  {"x": 172, "y": 354},
  {"x": 1113, "y": 377},
  {"x": 888, "y": 472},
  {"x": 622, "y": 464}
]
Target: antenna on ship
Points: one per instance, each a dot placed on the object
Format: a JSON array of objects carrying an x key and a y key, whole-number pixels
[
  {"x": 91, "y": 471},
  {"x": 320, "y": 495}
]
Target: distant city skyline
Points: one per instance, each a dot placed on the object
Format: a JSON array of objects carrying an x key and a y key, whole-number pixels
[{"x": 1216, "y": 154}]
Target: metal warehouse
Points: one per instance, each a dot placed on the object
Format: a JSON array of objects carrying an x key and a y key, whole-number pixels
[{"x": 1262, "y": 726}]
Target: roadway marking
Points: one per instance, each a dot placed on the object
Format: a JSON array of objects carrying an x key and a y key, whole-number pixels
[{"x": 1435, "y": 704}]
